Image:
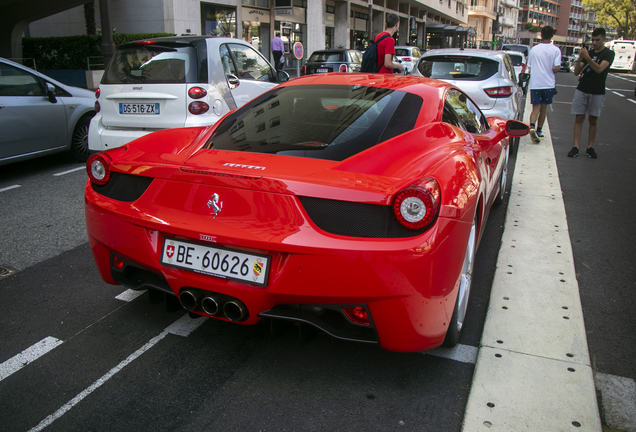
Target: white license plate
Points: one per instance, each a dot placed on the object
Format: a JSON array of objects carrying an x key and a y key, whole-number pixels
[
  {"x": 322, "y": 70},
  {"x": 215, "y": 261},
  {"x": 139, "y": 108}
]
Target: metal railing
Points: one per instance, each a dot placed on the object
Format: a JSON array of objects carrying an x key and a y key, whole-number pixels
[{"x": 91, "y": 66}]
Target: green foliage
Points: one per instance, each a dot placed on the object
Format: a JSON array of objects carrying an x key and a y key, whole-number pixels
[
  {"x": 532, "y": 28},
  {"x": 71, "y": 52},
  {"x": 619, "y": 14}
]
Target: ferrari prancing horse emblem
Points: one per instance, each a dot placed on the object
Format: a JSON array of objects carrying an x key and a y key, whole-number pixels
[{"x": 215, "y": 205}]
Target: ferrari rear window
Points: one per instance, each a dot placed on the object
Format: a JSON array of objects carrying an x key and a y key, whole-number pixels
[
  {"x": 458, "y": 67},
  {"x": 330, "y": 122}
]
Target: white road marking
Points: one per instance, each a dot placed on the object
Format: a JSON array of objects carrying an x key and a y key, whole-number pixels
[
  {"x": 618, "y": 94},
  {"x": 632, "y": 101},
  {"x": 129, "y": 295},
  {"x": 461, "y": 353},
  {"x": 619, "y": 401},
  {"x": 182, "y": 327},
  {"x": 69, "y": 171},
  {"x": 27, "y": 356},
  {"x": 9, "y": 188}
]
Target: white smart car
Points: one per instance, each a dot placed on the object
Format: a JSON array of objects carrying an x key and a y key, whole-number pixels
[{"x": 174, "y": 82}]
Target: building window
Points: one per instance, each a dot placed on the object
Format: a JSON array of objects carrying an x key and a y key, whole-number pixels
[
  {"x": 257, "y": 3},
  {"x": 218, "y": 21}
]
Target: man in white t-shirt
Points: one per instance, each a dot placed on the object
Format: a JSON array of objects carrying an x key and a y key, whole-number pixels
[{"x": 544, "y": 62}]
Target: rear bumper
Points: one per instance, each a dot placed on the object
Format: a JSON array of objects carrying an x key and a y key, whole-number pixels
[
  {"x": 101, "y": 138},
  {"x": 409, "y": 288}
]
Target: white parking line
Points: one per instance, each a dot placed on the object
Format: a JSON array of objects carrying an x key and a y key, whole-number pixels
[
  {"x": 27, "y": 356},
  {"x": 69, "y": 171},
  {"x": 129, "y": 295},
  {"x": 632, "y": 101},
  {"x": 182, "y": 327},
  {"x": 618, "y": 94},
  {"x": 9, "y": 188}
]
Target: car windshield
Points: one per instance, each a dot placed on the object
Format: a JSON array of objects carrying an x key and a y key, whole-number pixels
[
  {"x": 355, "y": 56},
  {"x": 458, "y": 67},
  {"x": 152, "y": 64},
  {"x": 325, "y": 56},
  {"x": 331, "y": 122}
]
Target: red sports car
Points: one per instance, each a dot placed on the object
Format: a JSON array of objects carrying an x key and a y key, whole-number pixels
[{"x": 353, "y": 203}]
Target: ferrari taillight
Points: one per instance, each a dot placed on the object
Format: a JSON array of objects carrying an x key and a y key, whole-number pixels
[
  {"x": 98, "y": 168},
  {"x": 343, "y": 68},
  {"x": 197, "y": 92},
  {"x": 357, "y": 314},
  {"x": 198, "y": 108},
  {"x": 499, "y": 92},
  {"x": 417, "y": 206}
]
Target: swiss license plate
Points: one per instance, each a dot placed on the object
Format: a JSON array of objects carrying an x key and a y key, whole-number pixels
[
  {"x": 139, "y": 108},
  {"x": 322, "y": 70},
  {"x": 215, "y": 261}
]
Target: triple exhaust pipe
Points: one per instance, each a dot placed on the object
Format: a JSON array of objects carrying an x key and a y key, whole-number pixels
[{"x": 213, "y": 304}]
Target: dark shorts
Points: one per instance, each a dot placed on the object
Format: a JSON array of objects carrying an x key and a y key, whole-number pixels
[{"x": 542, "y": 96}]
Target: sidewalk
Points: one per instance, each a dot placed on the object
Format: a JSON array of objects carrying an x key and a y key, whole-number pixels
[{"x": 533, "y": 369}]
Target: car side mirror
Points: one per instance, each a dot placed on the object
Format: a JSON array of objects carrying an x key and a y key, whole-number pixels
[
  {"x": 282, "y": 76},
  {"x": 50, "y": 90},
  {"x": 232, "y": 81},
  {"x": 524, "y": 77},
  {"x": 515, "y": 128}
]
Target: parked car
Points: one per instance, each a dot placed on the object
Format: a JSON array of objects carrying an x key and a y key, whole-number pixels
[
  {"x": 488, "y": 77},
  {"x": 520, "y": 64},
  {"x": 525, "y": 49},
  {"x": 339, "y": 201},
  {"x": 333, "y": 60},
  {"x": 41, "y": 116},
  {"x": 565, "y": 64},
  {"x": 170, "y": 82},
  {"x": 408, "y": 56}
]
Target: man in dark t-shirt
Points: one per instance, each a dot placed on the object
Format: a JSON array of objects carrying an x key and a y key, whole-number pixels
[
  {"x": 593, "y": 67},
  {"x": 386, "y": 48}
]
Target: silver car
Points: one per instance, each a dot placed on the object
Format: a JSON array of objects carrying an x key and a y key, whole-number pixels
[
  {"x": 408, "y": 56},
  {"x": 181, "y": 81},
  {"x": 488, "y": 77},
  {"x": 40, "y": 116}
]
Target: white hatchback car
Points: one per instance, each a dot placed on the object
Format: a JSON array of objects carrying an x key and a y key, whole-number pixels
[
  {"x": 408, "y": 56},
  {"x": 488, "y": 77},
  {"x": 174, "y": 82}
]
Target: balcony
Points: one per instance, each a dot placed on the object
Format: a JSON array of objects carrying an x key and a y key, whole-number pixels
[
  {"x": 482, "y": 11},
  {"x": 507, "y": 22}
]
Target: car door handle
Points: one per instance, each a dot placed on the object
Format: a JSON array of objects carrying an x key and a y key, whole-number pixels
[{"x": 232, "y": 81}]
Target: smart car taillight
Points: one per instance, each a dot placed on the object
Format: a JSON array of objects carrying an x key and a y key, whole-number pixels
[
  {"x": 97, "y": 93},
  {"x": 98, "y": 168},
  {"x": 98, "y": 107},
  {"x": 343, "y": 68},
  {"x": 523, "y": 67},
  {"x": 197, "y": 92},
  {"x": 198, "y": 108},
  {"x": 499, "y": 92},
  {"x": 417, "y": 206}
]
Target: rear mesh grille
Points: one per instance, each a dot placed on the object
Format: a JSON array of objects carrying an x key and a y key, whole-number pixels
[
  {"x": 124, "y": 187},
  {"x": 354, "y": 219}
]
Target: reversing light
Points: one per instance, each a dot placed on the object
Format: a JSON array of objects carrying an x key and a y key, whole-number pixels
[
  {"x": 98, "y": 107},
  {"x": 118, "y": 263},
  {"x": 343, "y": 68},
  {"x": 98, "y": 169},
  {"x": 198, "y": 108},
  {"x": 417, "y": 206},
  {"x": 357, "y": 314},
  {"x": 197, "y": 92},
  {"x": 499, "y": 92}
]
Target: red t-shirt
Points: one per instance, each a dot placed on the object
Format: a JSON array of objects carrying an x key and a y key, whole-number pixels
[{"x": 387, "y": 46}]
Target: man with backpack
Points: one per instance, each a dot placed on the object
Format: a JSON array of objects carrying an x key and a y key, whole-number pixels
[{"x": 384, "y": 46}]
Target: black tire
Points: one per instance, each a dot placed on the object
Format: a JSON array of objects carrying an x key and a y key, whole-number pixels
[
  {"x": 456, "y": 324},
  {"x": 79, "y": 140},
  {"x": 503, "y": 180}
]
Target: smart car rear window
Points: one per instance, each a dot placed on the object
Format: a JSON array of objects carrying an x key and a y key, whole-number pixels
[
  {"x": 326, "y": 57},
  {"x": 458, "y": 67},
  {"x": 331, "y": 122},
  {"x": 516, "y": 59},
  {"x": 152, "y": 64}
]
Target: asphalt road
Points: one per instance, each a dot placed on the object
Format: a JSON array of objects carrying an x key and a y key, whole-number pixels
[{"x": 75, "y": 357}]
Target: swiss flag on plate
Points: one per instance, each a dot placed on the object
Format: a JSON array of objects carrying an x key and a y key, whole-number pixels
[{"x": 170, "y": 251}]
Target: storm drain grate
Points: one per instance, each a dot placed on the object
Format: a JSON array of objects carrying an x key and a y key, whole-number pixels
[{"x": 5, "y": 271}]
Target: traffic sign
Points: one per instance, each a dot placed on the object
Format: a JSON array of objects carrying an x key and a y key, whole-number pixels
[{"x": 298, "y": 50}]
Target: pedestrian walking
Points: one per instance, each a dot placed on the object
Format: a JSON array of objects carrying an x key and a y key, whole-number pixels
[
  {"x": 544, "y": 62},
  {"x": 593, "y": 67},
  {"x": 386, "y": 47},
  {"x": 278, "y": 48}
]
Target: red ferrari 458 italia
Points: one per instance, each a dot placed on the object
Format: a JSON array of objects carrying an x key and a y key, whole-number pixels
[{"x": 353, "y": 203}]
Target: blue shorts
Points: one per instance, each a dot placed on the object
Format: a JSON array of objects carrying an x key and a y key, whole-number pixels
[{"x": 542, "y": 96}]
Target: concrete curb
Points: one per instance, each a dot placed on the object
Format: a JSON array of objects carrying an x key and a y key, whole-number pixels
[{"x": 533, "y": 369}]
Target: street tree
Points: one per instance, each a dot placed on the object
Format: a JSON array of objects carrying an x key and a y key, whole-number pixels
[{"x": 620, "y": 14}]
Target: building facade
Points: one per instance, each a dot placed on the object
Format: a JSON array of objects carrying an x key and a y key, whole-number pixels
[{"x": 317, "y": 24}]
